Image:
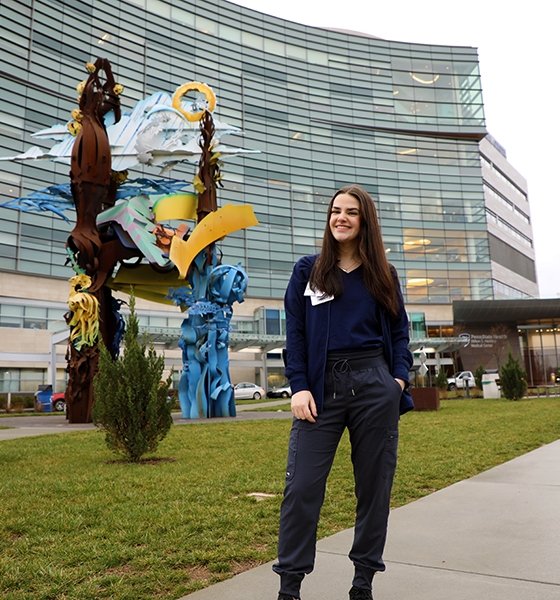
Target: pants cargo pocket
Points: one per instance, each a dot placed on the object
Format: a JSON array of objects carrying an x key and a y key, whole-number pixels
[
  {"x": 390, "y": 453},
  {"x": 292, "y": 453}
]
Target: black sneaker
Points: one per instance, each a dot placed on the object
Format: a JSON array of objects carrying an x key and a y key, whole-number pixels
[
  {"x": 287, "y": 597},
  {"x": 360, "y": 594}
]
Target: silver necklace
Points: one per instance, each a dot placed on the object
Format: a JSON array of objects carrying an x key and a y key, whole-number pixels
[{"x": 349, "y": 267}]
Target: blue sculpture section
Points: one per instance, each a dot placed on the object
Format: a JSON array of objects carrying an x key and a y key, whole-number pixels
[{"x": 205, "y": 389}]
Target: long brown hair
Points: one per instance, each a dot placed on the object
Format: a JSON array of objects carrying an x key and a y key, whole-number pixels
[{"x": 378, "y": 278}]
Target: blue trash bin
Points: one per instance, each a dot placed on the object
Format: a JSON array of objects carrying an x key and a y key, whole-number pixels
[{"x": 43, "y": 402}]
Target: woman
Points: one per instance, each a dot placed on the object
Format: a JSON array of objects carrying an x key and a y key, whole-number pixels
[{"x": 348, "y": 361}]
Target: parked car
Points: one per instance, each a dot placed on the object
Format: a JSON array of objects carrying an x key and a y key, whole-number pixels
[
  {"x": 245, "y": 391},
  {"x": 282, "y": 391},
  {"x": 58, "y": 403},
  {"x": 460, "y": 379}
]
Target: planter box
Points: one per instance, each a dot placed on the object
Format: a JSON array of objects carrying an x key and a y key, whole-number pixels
[{"x": 426, "y": 398}]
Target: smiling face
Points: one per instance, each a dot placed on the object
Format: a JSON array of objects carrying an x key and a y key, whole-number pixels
[{"x": 344, "y": 220}]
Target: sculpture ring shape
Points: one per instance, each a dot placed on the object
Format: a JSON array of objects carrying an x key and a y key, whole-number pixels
[{"x": 188, "y": 87}]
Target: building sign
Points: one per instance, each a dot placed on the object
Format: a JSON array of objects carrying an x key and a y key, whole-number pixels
[
  {"x": 486, "y": 340},
  {"x": 487, "y": 346}
]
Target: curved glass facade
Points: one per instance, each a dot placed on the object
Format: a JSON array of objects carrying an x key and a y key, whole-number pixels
[{"x": 326, "y": 108}]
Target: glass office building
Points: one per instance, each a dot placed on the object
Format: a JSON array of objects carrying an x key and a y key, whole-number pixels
[{"x": 324, "y": 107}]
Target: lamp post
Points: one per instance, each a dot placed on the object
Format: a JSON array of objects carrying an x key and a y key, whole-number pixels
[
  {"x": 467, "y": 386},
  {"x": 9, "y": 398}
]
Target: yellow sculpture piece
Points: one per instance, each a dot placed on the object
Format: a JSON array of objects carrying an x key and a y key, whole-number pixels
[
  {"x": 147, "y": 283},
  {"x": 189, "y": 87},
  {"x": 175, "y": 206},
  {"x": 216, "y": 225},
  {"x": 74, "y": 127},
  {"x": 84, "y": 323}
]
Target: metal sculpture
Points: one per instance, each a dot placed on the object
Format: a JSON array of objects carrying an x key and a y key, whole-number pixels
[{"x": 118, "y": 220}]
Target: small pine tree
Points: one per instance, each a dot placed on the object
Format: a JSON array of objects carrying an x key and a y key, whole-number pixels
[
  {"x": 441, "y": 379},
  {"x": 131, "y": 402},
  {"x": 512, "y": 379},
  {"x": 478, "y": 376}
]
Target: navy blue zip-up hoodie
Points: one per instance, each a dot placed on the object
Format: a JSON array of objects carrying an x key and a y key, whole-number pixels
[{"x": 307, "y": 331}]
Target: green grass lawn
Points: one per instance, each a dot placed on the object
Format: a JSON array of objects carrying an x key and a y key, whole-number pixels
[
  {"x": 287, "y": 407},
  {"x": 253, "y": 401},
  {"x": 75, "y": 524}
]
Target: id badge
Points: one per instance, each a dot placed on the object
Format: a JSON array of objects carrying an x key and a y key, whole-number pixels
[{"x": 316, "y": 297}]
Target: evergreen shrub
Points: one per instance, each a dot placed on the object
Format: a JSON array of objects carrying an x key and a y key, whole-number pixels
[
  {"x": 478, "y": 376},
  {"x": 131, "y": 400},
  {"x": 513, "y": 379},
  {"x": 441, "y": 379}
]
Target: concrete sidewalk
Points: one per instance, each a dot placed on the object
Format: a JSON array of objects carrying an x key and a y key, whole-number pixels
[
  {"x": 495, "y": 536},
  {"x": 32, "y": 425}
]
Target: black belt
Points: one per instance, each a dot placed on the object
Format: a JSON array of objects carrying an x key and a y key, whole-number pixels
[{"x": 364, "y": 359}]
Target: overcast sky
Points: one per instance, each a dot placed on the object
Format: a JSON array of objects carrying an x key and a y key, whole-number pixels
[{"x": 518, "y": 52}]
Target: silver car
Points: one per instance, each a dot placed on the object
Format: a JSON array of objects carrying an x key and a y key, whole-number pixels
[
  {"x": 284, "y": 391},
  {"x": 245, "y": 391}
]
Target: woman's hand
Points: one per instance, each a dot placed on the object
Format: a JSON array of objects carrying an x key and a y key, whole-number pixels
[
  {"x": 401, "y": 383},
  {"x": 303, "y": 406}
]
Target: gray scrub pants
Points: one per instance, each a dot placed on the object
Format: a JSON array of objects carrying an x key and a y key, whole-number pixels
[{"x": 360, "y": 394}]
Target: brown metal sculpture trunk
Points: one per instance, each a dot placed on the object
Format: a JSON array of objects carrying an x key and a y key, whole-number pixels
[
  {"x": 92, "y": 191},
  {"x": 82, "y": 368}
]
